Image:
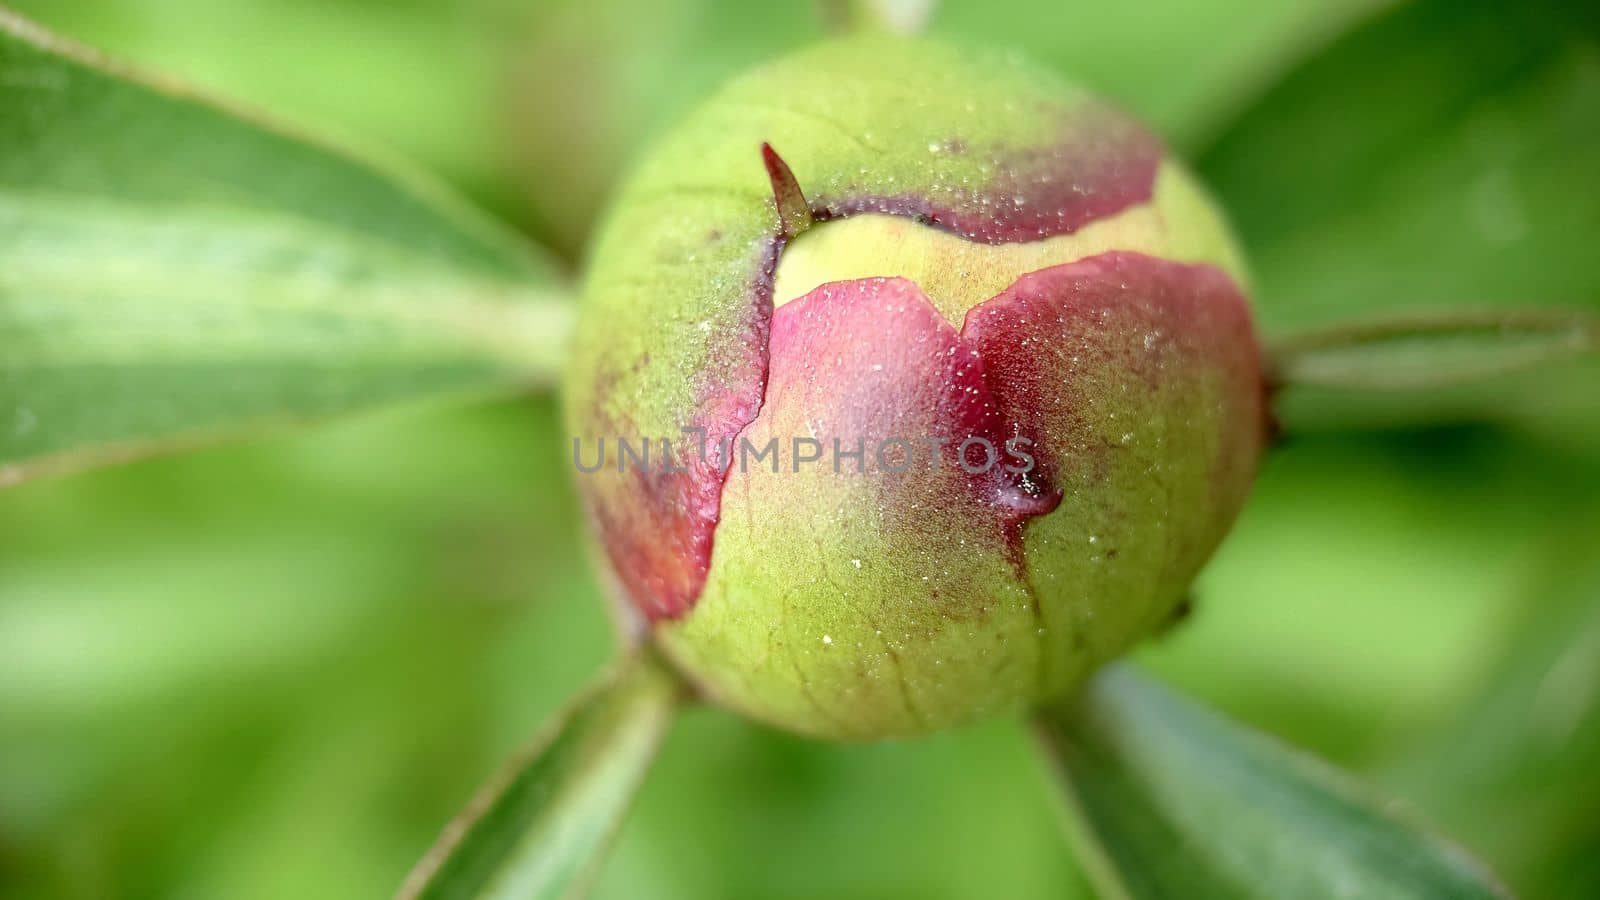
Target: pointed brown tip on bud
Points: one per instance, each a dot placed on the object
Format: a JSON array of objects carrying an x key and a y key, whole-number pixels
[{"x": 794, "y": 213}]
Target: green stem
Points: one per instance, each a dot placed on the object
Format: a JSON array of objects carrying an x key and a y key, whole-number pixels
[{"x": 896, "y": 16}]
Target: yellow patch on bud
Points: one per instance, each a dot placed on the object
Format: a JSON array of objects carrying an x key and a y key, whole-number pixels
[{"x": 1179, "y": 223}]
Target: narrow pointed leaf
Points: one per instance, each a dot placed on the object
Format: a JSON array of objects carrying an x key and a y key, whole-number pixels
[
  {"x": 540, "y": 829},
  {"x": 1433, "y": 350},
  {"x": 173, "y": 271},
  {"x": 1431, "y": 366},
  {"x": 1172, "y": 801},
  {"x": 1410, "y": 369}
]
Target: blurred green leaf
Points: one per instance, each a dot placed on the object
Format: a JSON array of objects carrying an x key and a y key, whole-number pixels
[
  {"x": 172, "y": 272},
  {"x": 1172, "y": 801},
  {"x": 273, "y": 669},
  {"x": 1439, "y": 156},
  {"x": 1516, "y": 771},
  {"x": 1186, "y": 66},
  {"x": 419, "y": 76},
  {"x": 1403, "y": 554},
  {"x": 540, "y": 828}
]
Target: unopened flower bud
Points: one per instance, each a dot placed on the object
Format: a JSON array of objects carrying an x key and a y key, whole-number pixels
[{"x": 955, "y": 378}]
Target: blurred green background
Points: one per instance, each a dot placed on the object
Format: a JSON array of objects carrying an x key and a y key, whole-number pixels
[{"x": 275, "y": 670}]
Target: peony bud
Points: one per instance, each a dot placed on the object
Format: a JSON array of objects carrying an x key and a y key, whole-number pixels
[{"x": 957, "y": 393}]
